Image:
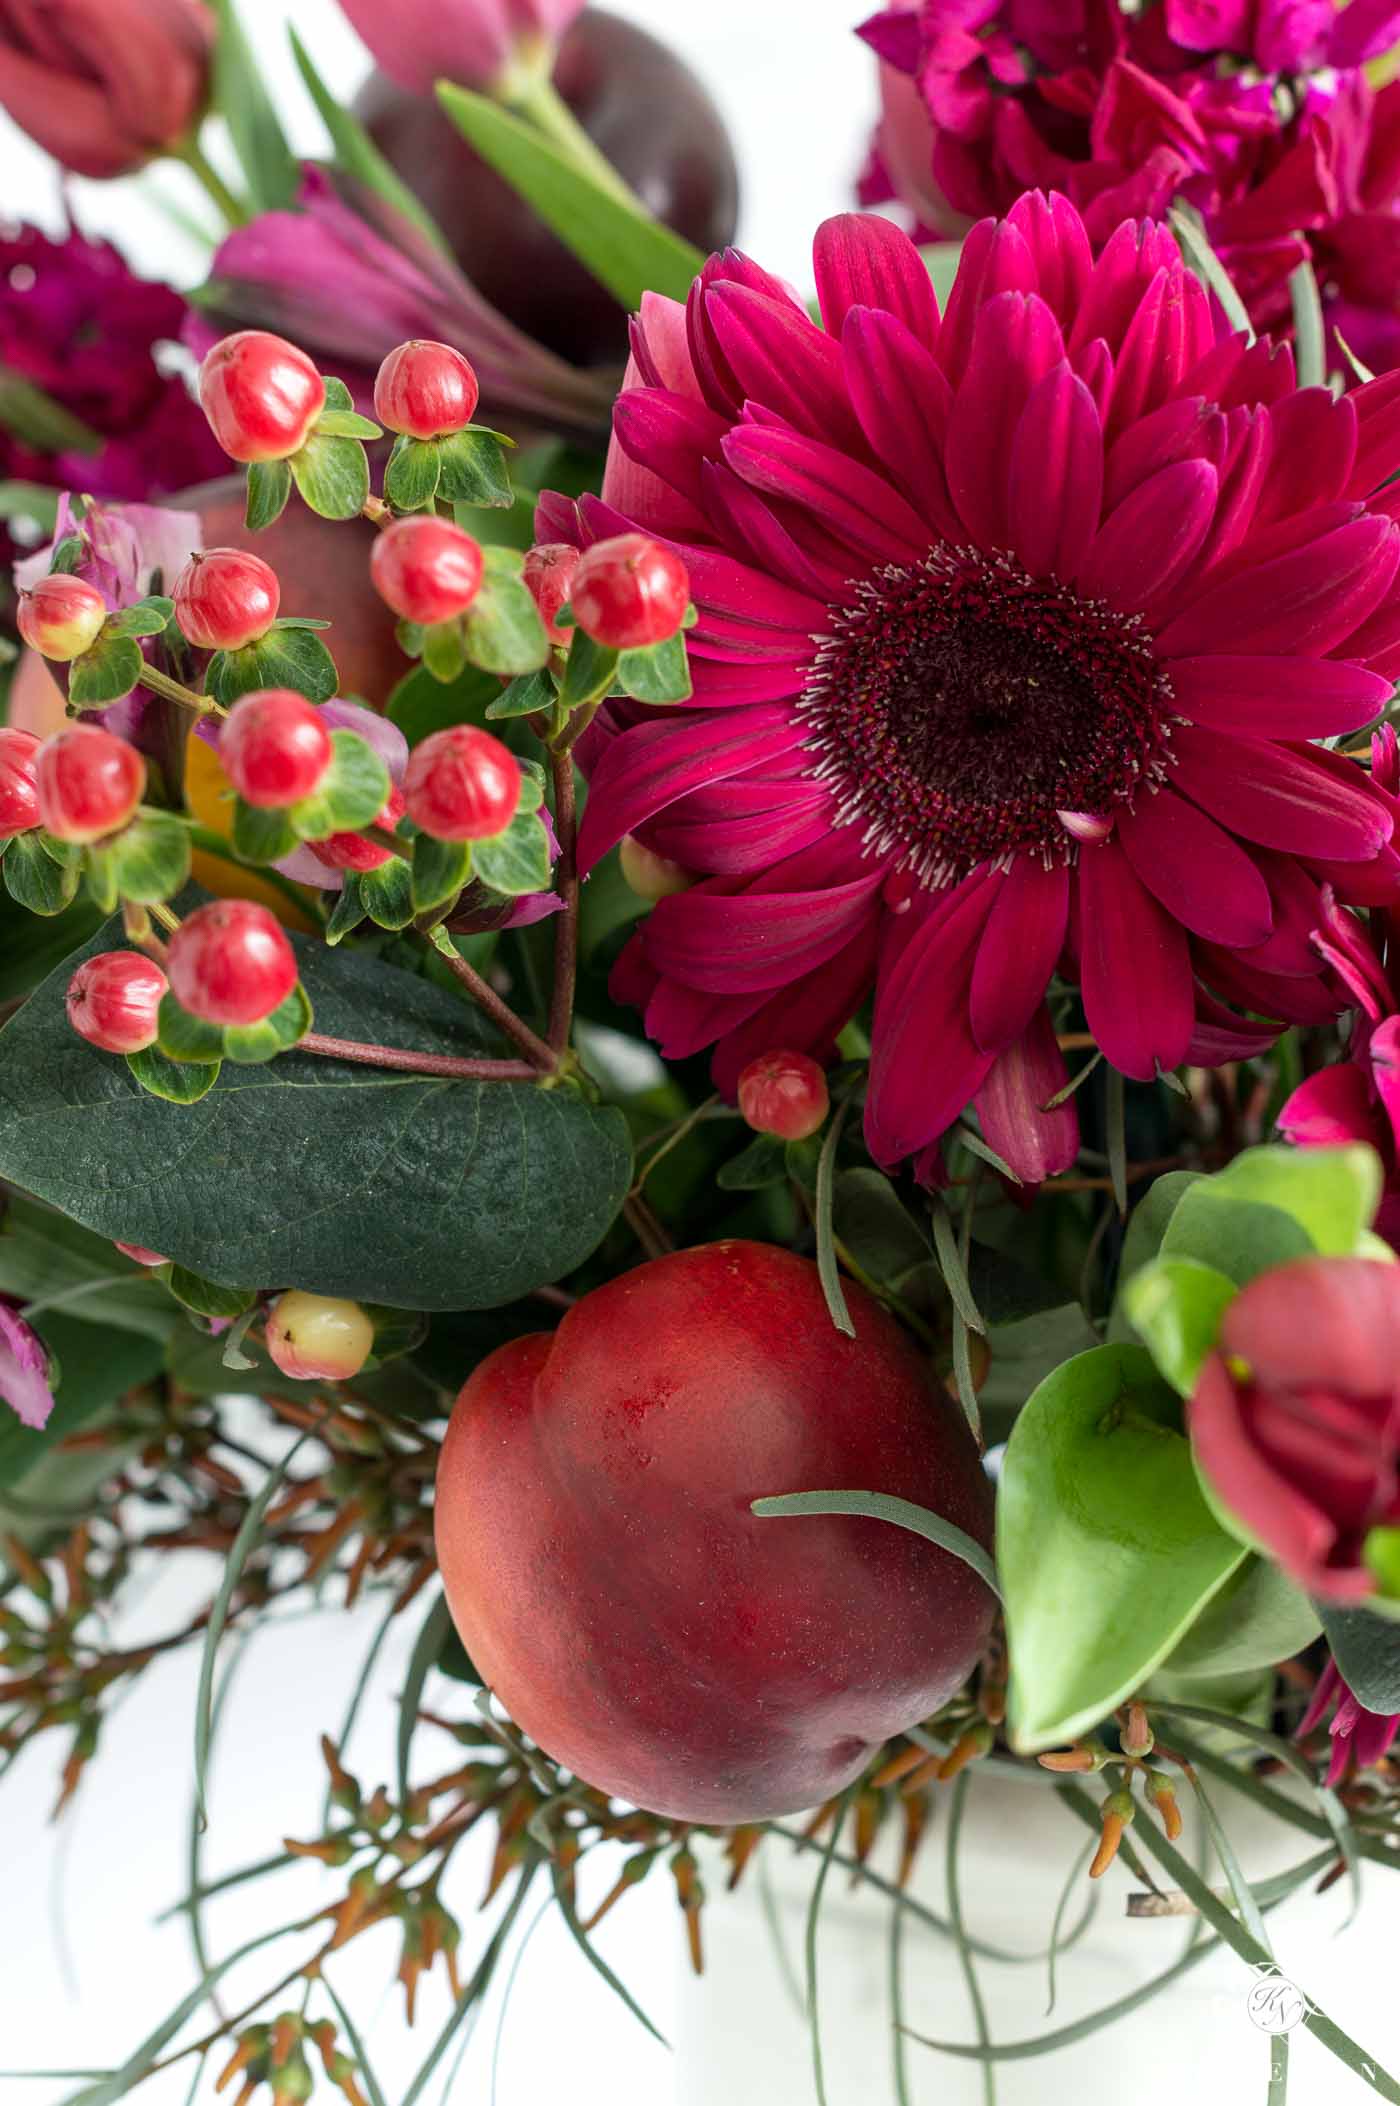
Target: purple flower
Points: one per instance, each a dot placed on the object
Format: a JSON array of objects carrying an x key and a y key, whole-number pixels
[
  {"x": 1359, "y": 1736},
  {"x": 24, "y": 1369},
  {"x": 349, "y": 278},
  {"x": 477, "y": 43}
]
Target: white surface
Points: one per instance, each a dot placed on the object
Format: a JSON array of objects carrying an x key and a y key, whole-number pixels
[{"x": 796, "y": 90}]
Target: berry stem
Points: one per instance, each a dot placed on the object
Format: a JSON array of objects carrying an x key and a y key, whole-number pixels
[
  {"x": 561, "y": 1008},
  {"x": 382, "y": 838},
  {"x": 174, "y": 691},
  {"x": 443, "y": 1064},
  {"x": 377, "y": 512},
  {"x": 543, "y": 1057}
]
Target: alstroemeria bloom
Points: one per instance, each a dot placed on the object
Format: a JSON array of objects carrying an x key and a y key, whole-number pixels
[
  {"x": 1259, "y": 115},
  {"x": 104, "y": 84},
  {"x": 1295, "y": 1419},
  {"x": 24, "y": 1369},
  {"x": 1016, "y": 627},
  {"x": 477, "y": 43},
  {"x": 1358, "y": 1736}
]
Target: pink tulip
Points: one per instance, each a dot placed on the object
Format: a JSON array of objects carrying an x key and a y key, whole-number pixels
[
  {"x": 473, "y": 42},
  {"x": 103, "y": 85}
]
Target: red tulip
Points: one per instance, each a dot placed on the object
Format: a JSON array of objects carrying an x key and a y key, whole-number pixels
[{"x": 103, "y": 85}]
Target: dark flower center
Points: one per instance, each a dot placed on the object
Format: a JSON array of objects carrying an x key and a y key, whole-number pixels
[{"x": 964, "y": 712}]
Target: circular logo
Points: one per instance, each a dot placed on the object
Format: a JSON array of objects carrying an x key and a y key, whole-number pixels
[{"x": 1276, "y": 2005}]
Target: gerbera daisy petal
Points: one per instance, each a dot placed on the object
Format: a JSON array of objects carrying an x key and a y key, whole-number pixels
[
  {"x": 783, "y": 361},
  {"x": 995, "y": 258},
  {"x": 1177, "y": 431},
  {"x": 1057, "y": 244},
  {"x": 1377, "y": 410},
  {"x": 653, "y": 765},
  {"x": 850, "y": 500},
  {"x": 925, "y": 1063},
  {"x": 863, "y": 261},
  {"x": 903, "y": 402},
  {"x": 806, "y": 1016},
  {"x": 1134, "y": 967},
  {"x": 1221, "y": 1037},
  {"x": 1304, "y": 602},
  {"x": 1145, "y": 545},
  {"x": 1056, "y": 475},
  {"x": 1278, "y": 796},
  {"x": 1024, "y": 936},
  {"x": 1016, "y": 343},
  {"x": 1296, "y": 698},
  {"x": 731, "y": 943},
  {"x": 1011, "y": 1105},
  {"x": 1196, "y": 871},
  {"x": 1314, "y": 452}
]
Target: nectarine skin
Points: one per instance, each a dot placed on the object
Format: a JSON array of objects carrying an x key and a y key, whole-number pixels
[{"x": 611, "y": 1584}]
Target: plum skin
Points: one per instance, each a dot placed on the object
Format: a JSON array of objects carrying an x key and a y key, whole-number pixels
[{"x": 608, "y": 1579}]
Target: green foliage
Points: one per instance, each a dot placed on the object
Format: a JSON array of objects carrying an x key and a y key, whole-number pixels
[
  {"x": 269, "y": 489},
  {"x": 242, "y": 100},
  {"x": 352, "y": 793},
  {"x": 502, "y": 629},
  {"x": 37, "y": 880},
  {"x": 412, "y": 475},
  {"x": 472, "y": 468},
  {"x": 516, "y": 861},
  {"x": 332, "y": 474},
  {"x": 1366, "y": 1648},
  {"x": 1176, "y": 1304},
  {"x": 150, "y": 858},
  {"x": 286, "y": 657},
  {"x": 661, "y": 673},
  {"x": 356, "y": 153},
  {"x": 111, "y": 669}
]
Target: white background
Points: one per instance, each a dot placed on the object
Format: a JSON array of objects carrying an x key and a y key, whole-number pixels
[{"x": 84, "y": 1970}]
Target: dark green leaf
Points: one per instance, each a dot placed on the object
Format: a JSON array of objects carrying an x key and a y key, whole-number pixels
[
  {"x": 827, "y": 1265},
  {"x": 149, "y": 617},
  {"x": 35, "y": 882},
  {"x": 762, "y": 1163},
  {"x": 659, "y": 674},
  {"x": 348, "y": 911},
  {"x": 151, "y": 857},
  {"x": 32, "y": 945},
  {"x": 269, "y": 487},
  {"x": 404, "y": 1189},
  {"x": 421, "y": 705},
  {"x": 524, "y": 697},
  {"x": 1257, "y": 1619},
  {"x": 874, "y": 1225},
  {"x": 97, "y": 1367},
  {"x": 286, "y": 657},
  {"x": 260, "y": 835},
  {"x": 205, "y": 1298},
  {"x": 177, "y": 1082},
  {"x": 242, "y": 100},
  {"x": 352, "y": 793},
  {"x": 111, "y": 669},
  {"x": 252, "y": 1044},
  {"x": 473, "y": 469},
  {"x": 440, "y": 869},
  {"x": 625, "y": 251},
  {"x": 879, "y": 1506},
  {"x": 67, "y": 556},
  {"x": 503, "y": 630},
  {"x": 411, "y": 478},
  {"x": 332, "y": 476},
  {"x": 517, "y": 861},
  {"x": 386, "y": 894},
  {"x": 1366, "y": 1648},
  {"x": 41, "y": 422},
  {"x": 589, "y": 672},
  {"x": 51, "y": 1262},
  {"x": 181, "y": 1036},
  {"x": 346, "y": 424}
]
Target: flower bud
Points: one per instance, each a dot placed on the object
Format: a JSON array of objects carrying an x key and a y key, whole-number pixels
[
  {"x": 477, "y": 43},
  {"x": 103, "y": 85}
]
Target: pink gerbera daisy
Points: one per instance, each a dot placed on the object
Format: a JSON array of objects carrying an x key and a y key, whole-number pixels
[{"x": 1016, "y": 627}]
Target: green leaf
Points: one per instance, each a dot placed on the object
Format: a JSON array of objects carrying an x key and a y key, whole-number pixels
[
  {"x": 269, "y": 487},
  {"x": 149, "y": 617},
  {"x": 41, "y": 423},
  {"x": 628, "y": 253},
  {"x": 1177, "y": 1304},
  {"x": 432, "y": 1633},
  {"x": 150, "y": 857},
  {"x": 440, "y": 869},
  {"x": 589, "y": 672},
  {"x": 1366, "y": 1648},
  {"x": 97, "y": 1368},
  {"x": 879, "y": 1506},
  {"x": 260, "y": 835},
  {"x": 1258, "y": 1618},
  {"x": 251, "y": 1044},
  {"x": 53, "y": 1263},
  {"x": 502, "y": 627},
  {"x": 285, "y": 657},
  {"x": 346, "y": 424},
  {"x": 32, "y": 945},
  {"x": 524, "y": 697},
  {"x": 875, "y": 1226},
  {"x": 99, "y": 877},
  {"x": 827, "y": 1267},
  {"x": 473, "y": 469},
  {"x": 444, "y": 650},
  {"x": 177, "y": 1082},
  {"x": 1332, "y": 1193},
  {"x": 659, "y": 674},
  {"x": 181, "y": 1036},
  {"x": 356, "y": 152},
  {"x": 1235, "y": 1236},
  {"x": 111, "y": 669},
  {"x": 1107, "y": 1549},
  {"x": 412, "y": 476},
  {"x": 241, "y": 99},
  {"x": 517, "y": 861},
  {"x": 205, "y": 1297},
  {"x": 421, "y": 705},
  {"x": 348, "y": 911},
  {"x": 386, "y": 894},
  {"x": 332, "y": 475},
  {"x": 1146, "y": 1228},
  {"x": 762, "y": 1163},
  {"x": 352, "y": 793},
  {"x": 35, "y": 882},
  {"x": 410, "y": 1190}
]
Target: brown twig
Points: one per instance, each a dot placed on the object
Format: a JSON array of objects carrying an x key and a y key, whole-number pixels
[
  {"x": 566, "y": 884},
  {"x": 500, "y": 1013},
  {"x": 444, "y": 1064}
]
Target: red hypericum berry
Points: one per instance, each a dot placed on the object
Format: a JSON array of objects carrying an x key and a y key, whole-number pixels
[
  {"x": 549, "y": 574},
  {"x": 630, "y": 592},
  {"x": 231, "y": 963},
  {"x": 90, "y": 783},
  {"x": 426, "y": 569},
  {"x": 19, "y": 786},
  {"x": 651, "y": 876},
  {"x": 462, "y": 784},
  {"x": 226, "y": 598},
  {"x": 784, "y": 1094},
  {"x": 318, "y": 1337},
  {"x": 275, "y": 748},
  {"x": 426, "y": 390},
  {"x": 113, "y": 1000},
  {"x": 357, "y": 851},
  {"x": 261, "y": 396},
  {"x": 61, "y": 617},
  {"x": 139, "y": 1254}
]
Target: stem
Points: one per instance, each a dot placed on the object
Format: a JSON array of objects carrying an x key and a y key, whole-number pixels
[
  {"x": 442, "y": 1064},
  {"x": 645, "y": 1227},
  {"x": 174, "y": 691},
  {"x": 500, "y": 1013},
  {"x": 531, "y": 94},
  {"x": 561, "y": 1008},
  {"x": 377, "y": 512},
  {"x": 200, "y": 166},
  {"x": 382, "y": 838}
]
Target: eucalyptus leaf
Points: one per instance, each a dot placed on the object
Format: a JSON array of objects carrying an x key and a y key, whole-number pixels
[
  {"x": 1107, "y": 1549},
  {"x": 1332, "y": 1193},
  {"x": 1238, "y": 1237},
  {"x": 414, "y": 1191},
  {"x": 1258, "y": 1618}
]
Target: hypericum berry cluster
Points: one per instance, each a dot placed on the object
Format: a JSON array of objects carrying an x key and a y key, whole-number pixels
[
  {"x": 630, "y": 593},
  {"x": 275, "y": 748},
  {"x": 784, "y": 1094},
  {"x": 226, "y": 598},
  {"x": 88, "y": 782},
  {"x": 231, "y": 963},
  {"x": 61, "y": 617},
  {"x": 427, "y": 569},
  {"x": 114, "y": 1000}
]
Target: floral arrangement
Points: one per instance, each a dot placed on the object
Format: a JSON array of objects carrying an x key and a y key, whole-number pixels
[{"x": 735, "y": 959}]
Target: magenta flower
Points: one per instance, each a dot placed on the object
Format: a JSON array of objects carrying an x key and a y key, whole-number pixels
[
  {"x": 1016, "y": 628},
  {"x": 349, "y": 278},
  {"x": 1256, "y": 112},
  {"x": 24, "y": 1369},
  {"x": 1359, "y": 1737},
  {"x": 477, "y": 43}
]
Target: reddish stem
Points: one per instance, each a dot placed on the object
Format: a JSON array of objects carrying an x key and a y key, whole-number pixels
[
  {"x": 501, "y": 1014},
  {"x": 444, "y": 1064},
  {"x": 561, "y": 1008}
]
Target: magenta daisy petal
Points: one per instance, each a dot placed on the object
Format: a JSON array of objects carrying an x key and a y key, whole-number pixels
[{"x": 1015, "y": 627}]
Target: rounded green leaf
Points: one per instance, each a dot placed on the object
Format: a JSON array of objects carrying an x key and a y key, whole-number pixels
[
  {"x": 332, "y": 475},
  {"x": 1176, "y": 1305},
  {"x": 1332, "y": 1193},
  {"x": 1258, "y": 1618},
  {"x": 352, "y": 793}
]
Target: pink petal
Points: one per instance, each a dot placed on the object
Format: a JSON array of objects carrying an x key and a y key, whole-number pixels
[
  {"x": 995, "y": 259},
  {"x": 1056, "y": 476},
  {"x": 754, "y": 532},
  {"x": 1202, "y": 877},
  {"x": 848, "y": 499},
  {"x": 1377, "y": 409},
  {"x": 731, "y": 943},
  {"x": 1331, "y": 1324},
  {"x": 926, "y": 1065},
  {"x": 1175, "y": 432},
  {"x": 1036, "y": 1143},
  {"x": 669, "y": 435},
  {"x": 650, "y": 767},
  {"x": 1292, "y": 698},
  {"x": 1221, "y": 1037},
  {"x": 1016, "y": 957},
  {"x": 1279, "y": 795},
  {"x": 862, "y": 260},
  {"x": 1303, "y": 602},
  {"x": 1314, "y": 451},
  {"x": 783, "y": 361},
  {"x": 24, "y": 1370},
  {"x": 1015, "y": 344},
  {"x": 1134, "y": 968},
  {"x": 1330, "y": 1109},
  {"x": 1145, "y": 546},
  {"x": 1264, "y": 1502},
  {"x": 1059, "y": 247},
  {"x": 1384, "y": 1053},
  {"x": 806, "y": 1016},
  {"x": 903, "y": 403},
  {"x": 661, "y": 346}
]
